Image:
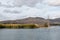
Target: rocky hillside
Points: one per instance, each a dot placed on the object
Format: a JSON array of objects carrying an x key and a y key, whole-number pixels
[{"x": 29, "y": 20}]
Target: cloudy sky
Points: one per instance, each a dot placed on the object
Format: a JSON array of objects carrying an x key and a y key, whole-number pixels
[{"x": 18, "y": 9}]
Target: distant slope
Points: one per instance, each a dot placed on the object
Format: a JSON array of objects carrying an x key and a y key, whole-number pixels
[
  {"x": 56, "y": 20},
  {"x": 29, "y": 20}
]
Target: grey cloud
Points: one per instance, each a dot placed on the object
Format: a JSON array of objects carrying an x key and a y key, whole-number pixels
[
  {"x": 53, "y": 2},
  {"x": 8, "y": 5},
  {"x": 27, "y": 2},
  {"x": 19, "y": 3},
  {"x": 9, "y": 11}
]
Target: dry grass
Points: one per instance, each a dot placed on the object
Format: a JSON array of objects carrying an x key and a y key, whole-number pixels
[{"x": 22, "y": 26}]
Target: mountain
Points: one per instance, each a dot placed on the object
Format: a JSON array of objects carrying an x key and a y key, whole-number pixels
[
  {"x": 29, "y": 20},
  {"x": 56, "y": 20}
]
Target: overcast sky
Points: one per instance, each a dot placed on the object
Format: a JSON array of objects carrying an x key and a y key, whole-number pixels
[{"x": 18, "y": 9}]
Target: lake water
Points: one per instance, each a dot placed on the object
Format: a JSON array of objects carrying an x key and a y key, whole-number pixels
[{"x": 52, "y": 33}]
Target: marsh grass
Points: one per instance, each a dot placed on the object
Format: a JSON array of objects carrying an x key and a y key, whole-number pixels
[
  {"x": 24, "y": 26},
  {"x": 18, "y": 26}
]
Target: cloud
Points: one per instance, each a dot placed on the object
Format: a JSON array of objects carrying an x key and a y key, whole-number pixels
[
  {"x": 27, "y": 2},
  {"x": 26, "y": 11},
  {"x": 28, "y": 8},
  {"x": 19, "y": 3},
  {"x": 53, "y": 2},
  {"x": 30, "y": 3},
  {"x": 55, "y": 15}
]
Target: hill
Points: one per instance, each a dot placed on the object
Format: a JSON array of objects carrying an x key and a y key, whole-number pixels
[{"x": 29, "y": 20}]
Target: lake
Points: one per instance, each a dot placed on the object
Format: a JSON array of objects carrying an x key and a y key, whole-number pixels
[{"x": 51, "y": 33}]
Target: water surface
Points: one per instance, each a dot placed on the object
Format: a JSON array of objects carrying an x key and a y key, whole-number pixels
[{"x": 52, "y": 33}]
